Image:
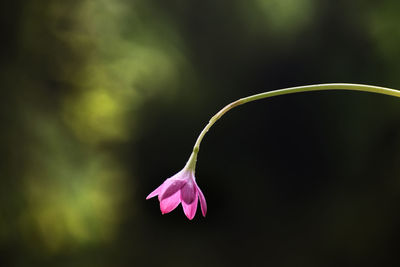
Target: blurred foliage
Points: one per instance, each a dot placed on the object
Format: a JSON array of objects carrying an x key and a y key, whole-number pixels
[
  {"x": 102, "y": 99},
  {"x": 80, "y": 55},
  {"x": 284, "y": 18}
]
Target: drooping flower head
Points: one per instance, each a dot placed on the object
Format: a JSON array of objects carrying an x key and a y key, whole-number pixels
[{"x": 180, "y": 188}]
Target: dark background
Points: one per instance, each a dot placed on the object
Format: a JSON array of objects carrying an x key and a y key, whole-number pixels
[{"x": 103, "y": 100}]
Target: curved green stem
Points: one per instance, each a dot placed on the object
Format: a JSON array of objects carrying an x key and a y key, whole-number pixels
[{"x": 298, "y": 89}]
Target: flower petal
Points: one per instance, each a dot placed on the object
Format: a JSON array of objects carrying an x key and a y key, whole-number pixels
[
  {"x": 165, "y": 185},
  {"x": 203, "y": 203},
  {"x": 172, "y": 188},
  {"x": 188, "y": 192},
  {"x": 170, "y": 203},
  {"x": 155, "y": 192},
  {"x": 190, "y": 209}
]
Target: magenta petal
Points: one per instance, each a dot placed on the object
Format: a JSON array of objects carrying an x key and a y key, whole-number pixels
[
  {"x": 172, "y": 188},
  {"x": 203, "y": 203},
  {"x": 188, "y": 192},
  {"x": 170, "y": 203},
  {"x": 155, "y": 192},
  {"x": 165, "y": 185},
  {"x": 190, "y": 209}
]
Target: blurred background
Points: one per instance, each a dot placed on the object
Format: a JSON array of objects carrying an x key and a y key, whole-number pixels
[{"x": 101, "y": 100}]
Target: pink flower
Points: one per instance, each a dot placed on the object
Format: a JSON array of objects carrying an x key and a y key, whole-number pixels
[{"x": 180, "y": 188}]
